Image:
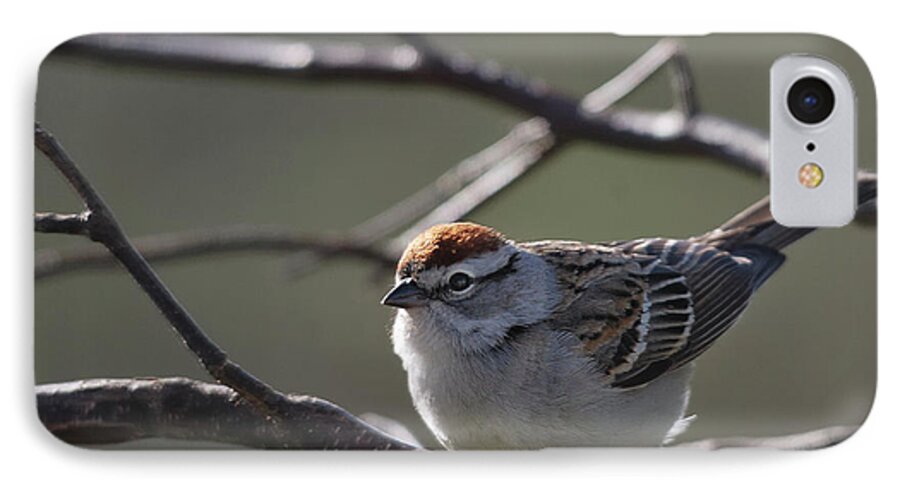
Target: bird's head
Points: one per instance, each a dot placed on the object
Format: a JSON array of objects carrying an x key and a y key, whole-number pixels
[{"x": 468, "y": 282}]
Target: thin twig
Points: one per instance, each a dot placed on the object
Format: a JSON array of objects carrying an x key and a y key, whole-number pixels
[
  {"x": 106, "y": 411},
  {"x": 67, "y": 224},
  {"x": 664, "y": 52},
  {"x": 102, "y": 226},
  {"x": 477, "y": 193},
  {"x": 532, "y": 136},
  {"x": 271, "y": 56},
  {"x": 683, "y": 85},
  {"x": 527, "y": 144},
  {"x": 192, "y": 243},
  {"x": 629, "y": 79}
]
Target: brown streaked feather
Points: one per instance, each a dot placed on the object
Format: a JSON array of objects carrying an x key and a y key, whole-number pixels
[
  {"x": 645, "y": 307},
  {"x": 609, "y": 301}
]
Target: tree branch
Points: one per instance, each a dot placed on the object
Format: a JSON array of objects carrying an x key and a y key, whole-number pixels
[
  {"x": 271, "y": 56},
  {"x": 527, "y": 144},
  {"x": 528, "y": 140},
  {"x": 67, "y": 224},
  {"x": 454, "y": 194},
  {"x": 665, "y": 52},
  {"x": 228, "y": 239},
  {"x": 102, "y": 226},
  {"x": 416, "y": 63},
  {"x": 503, "y": 173},
  {"x": 682, "y": 130},
  {"x": 105, "y": 411}
]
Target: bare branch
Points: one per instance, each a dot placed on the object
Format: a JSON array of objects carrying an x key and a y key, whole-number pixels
[
  {"x": 103, "y": 227},
  {"x": 408, "y": 63},
  {"x": 664, "y": 52},
  {"x": 66, "y": 224},
  {"x": 629, "y": 79},
  {"x": 531, "y": 137},
  {"x": 454, "y": 192},
  {"x": 105, "y": 411},
  {"x": 477, "y": 193},
  {"x": 494, "y": 168},
  {"x": 683, "y": 83},
  {"x": 229, "y": 239},
  {"x": 270, "y": 56},
  {"x": 744, "y": 147}
]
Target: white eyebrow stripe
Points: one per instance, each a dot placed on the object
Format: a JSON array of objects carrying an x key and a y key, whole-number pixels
[{"x": 482, "y": 265}]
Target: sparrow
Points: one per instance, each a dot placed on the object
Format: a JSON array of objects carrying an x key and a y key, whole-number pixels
[{"x": 563, "y": 343}]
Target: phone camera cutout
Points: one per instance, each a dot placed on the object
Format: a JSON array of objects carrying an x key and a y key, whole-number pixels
[{"x": 811, "y": 102}]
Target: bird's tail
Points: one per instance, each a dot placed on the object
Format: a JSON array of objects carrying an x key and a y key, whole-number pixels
[
  {"x": 755, "y": 226},
  {"x": 756, "y": 235}
]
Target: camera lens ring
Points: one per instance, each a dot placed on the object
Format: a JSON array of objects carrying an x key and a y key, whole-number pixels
[{"x": 810, "y": 100}]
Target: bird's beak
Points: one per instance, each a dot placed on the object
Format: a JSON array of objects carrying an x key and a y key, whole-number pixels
[{"x": 406, "y": 294}]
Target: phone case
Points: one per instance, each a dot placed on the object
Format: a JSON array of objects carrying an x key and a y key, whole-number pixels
[{"x": 231, "y": 247}]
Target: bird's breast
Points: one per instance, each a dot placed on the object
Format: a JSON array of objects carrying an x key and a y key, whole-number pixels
[{"x": 536, "y": 392}]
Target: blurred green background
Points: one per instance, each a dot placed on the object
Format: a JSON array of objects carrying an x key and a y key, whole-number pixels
[{"x": 174, "y": 150}]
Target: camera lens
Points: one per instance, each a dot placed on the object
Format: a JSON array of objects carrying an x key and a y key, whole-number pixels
[{"x": 810, "y": 100}]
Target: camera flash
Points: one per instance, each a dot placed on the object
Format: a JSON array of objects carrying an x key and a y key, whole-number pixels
[{"x": 811, "y": 175}]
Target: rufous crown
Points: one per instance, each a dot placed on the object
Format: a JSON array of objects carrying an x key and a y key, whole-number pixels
[{"x": 442, "y": 245}]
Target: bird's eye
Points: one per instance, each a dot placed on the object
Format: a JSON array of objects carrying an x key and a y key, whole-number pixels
[{"x": 460, "y": 281}]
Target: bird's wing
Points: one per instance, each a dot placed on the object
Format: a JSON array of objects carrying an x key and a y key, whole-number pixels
[{"x": 646, "y": 307}]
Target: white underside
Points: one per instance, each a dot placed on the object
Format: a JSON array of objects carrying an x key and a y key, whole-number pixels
[{"x": 542, "y": 395}]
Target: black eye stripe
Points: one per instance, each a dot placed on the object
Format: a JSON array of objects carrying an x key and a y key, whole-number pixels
[{"x": 508, "y": 268}]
